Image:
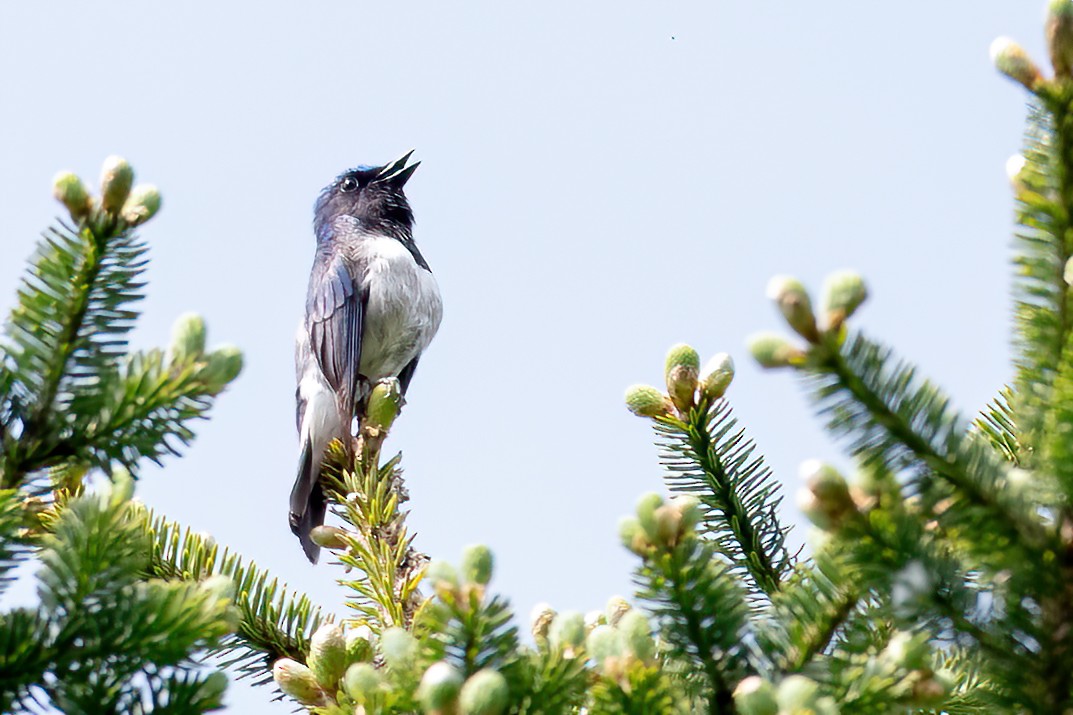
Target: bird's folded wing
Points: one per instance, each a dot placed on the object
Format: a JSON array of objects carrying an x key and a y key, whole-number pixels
[{"x": 335, "y": 310}]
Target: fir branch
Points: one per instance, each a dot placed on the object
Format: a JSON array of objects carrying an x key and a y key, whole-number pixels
[
  {"x": 815, "y": 602},
  {"x": 894, "y": 421},
  {"x": 552, "y": 683},
  {"x": 274, "y": 622},
  {"x": 380, "y": 547},
  {"x": 12, "y": 549},
  {"x": 707, "y": 456},
  {"x": 999, "y": 425},
  {"x": 70, "y": 324},
  {"x": 701, "y": 608}
]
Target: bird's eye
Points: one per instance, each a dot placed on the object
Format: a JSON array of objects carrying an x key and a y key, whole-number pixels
[{"x": 348, "y": 184}]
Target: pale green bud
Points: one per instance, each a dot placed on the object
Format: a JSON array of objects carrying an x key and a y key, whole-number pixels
[
  {"x": 441, "y": 574},
  {"x": 567, "y": 630},
  {"x": 843, "y": 293},
  {"x": 616, "y": 608},
  {"x": 604, "y": 642},
  {"x": 647, "y": 401},
  {"x": 1011, "y": 60},
  {"x": 593, "y": 619},
  {"x": 484, "y": 693},
  {"x": 681, "y": 369},
  {"x": 825, "y": 499},
  {"x": 755, "y": 696},
  {"x": 797, "y": 693},
  {"x": 359, "y": 644},
  {"x": 1059, "y": 32},
  {"x": 646, "y": 514},
  {"x": 327, "y": 655},
  {"x": 384, "y": 404},
  {"x": 633, "y": 536},
  {"x": 540, "y": 620},
  {"x": 637, "y": 633},
  {"x": 1068, "y": 272},
  {"x": 362, "y": 680},
  {"x": 329, "y": 537},
  {"x": 142, "y": 204},
  {"x": 187, "y": 338},
  {"x": 773, "y": 350},
  {"x": 71, "y": 192},
  {"x": 222, "y": 366},
  {"x": 477, "y": 564},
  {"x": 716, "y": 376},
  {"x": 116, "y": 179},
  {"x": 298, "y": 681},
  {"x": 793, "y": 302},
  {"x": 398, "y": 646},
  {"x": 211, "y": 692},
  {"x": 688, "y": 508},
  {"x": 439, "y": 687}
]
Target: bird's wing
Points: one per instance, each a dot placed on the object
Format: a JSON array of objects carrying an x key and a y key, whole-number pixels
[{"x": 335, "y": 308}]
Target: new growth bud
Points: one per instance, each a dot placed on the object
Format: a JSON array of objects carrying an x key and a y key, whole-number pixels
[
  {"x": 616, "y": 608},
  {"x": 361, "y": 680},
  {"x": 385, "y": 401},
  {"x": 329, "y": 537},
  {"x": 187, "y": 338},
  {"x": 298, "y": 681},
  {"x": 772, "y": 350},
  {"x": 567, "y": 631},
  {"x": 681, "y": 370},
  {"x": 223, "y": 365},
  {"x": 142, "y": 205},
  {"x": 485, "y": 693},
  {"x": 793, "y": 302},
  {"x": 843, "y": 293},
  {"x": 1059, "y": 32},
  {"x": 327, "y": 655},
  {"x": 647, "y": 401},
  {"x": 716, "y": 376},
  {"x": 116, "y": 179},
  {"x": 604, "y": 642},
  {"x": 398, "y": 646},
  {"x": 477, "y": 563},
  {"x": 71, "y": 192},
  {"x": 825, "y": 499},
  {"x": 439, "y": 687},
  {"x": 540, "y": 620},
  {"x": 442, "y": 575},
  {"x": 637, "y": 634},
  {"x": 1011, "y": 60}
]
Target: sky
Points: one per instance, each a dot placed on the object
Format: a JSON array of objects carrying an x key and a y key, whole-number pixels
[{"x": 598, "y": 182}]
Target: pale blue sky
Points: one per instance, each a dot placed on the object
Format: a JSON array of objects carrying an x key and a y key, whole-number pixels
[{"x": 598, "y": 181}]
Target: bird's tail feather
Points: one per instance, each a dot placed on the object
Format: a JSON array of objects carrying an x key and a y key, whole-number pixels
[{"x": 308, "y": 503}]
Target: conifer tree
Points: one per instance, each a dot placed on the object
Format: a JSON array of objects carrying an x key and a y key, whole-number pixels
[{"x": 940, "y": 578}]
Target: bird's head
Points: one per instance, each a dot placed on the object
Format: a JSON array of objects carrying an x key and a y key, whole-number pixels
[{"x": 372, "y": 196}]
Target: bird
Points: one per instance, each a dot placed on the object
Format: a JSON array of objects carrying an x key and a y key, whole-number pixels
[{"x": 372, "y": 308}]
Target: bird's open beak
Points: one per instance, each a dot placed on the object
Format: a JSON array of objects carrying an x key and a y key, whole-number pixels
[{"x": 397, "y": 172}]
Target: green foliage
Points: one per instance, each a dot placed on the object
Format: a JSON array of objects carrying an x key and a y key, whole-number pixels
[{"x": 105, "y": 639}]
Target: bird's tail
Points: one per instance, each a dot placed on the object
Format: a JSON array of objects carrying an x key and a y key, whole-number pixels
[{"x": 308, "y": 503}]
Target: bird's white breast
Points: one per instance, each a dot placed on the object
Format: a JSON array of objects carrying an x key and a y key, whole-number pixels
[{"x": 403, "y": 310}]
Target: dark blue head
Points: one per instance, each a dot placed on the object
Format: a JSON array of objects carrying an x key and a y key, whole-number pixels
[{"x": 372, "y": 195}]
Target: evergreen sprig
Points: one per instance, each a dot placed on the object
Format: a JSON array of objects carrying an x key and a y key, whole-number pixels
[
  {"x": 274, "y": 622},
  {"x": 104, "y": 638},
  {"x": 708, "y": 456}
]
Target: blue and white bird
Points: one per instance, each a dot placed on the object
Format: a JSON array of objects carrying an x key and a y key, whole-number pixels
[{"x": 371, "y": 310}]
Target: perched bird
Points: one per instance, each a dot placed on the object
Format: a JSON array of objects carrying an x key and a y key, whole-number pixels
[{"x": 371, "y": 310}]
